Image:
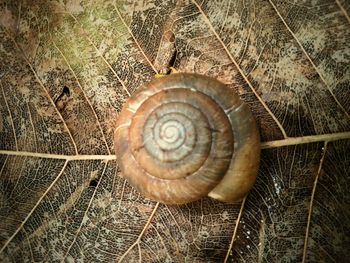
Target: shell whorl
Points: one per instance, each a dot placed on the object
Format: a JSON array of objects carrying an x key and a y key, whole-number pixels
[{"x": 186, "y": 136}]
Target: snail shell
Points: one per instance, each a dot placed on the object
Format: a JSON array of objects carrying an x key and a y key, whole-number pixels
[{"x": 186, "y": 136}]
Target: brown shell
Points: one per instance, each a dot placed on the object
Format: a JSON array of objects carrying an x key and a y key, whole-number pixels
[{"x": 186, "y": 136}]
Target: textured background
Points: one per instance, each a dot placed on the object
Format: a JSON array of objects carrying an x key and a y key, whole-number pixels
[{"x": 66, "y": 69}]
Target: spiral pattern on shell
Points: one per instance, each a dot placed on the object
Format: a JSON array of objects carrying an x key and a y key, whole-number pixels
[{"x": 186, "y": 136}]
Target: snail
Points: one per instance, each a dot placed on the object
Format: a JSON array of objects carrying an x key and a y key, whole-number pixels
[{"x": 185, "y": 136}]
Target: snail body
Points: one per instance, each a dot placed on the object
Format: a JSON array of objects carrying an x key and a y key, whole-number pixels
[{"x": 185, "y": 136}]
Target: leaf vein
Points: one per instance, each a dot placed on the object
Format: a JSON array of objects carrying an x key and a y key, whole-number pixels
[
  {"x": 101, "y": 56},
  {"x": 264, "y": 145},
  {"x": 206, "y": 19},
  {"x": 312, "y": 203},
  {"x": 137, "y": 242},
  {"x": 11, "y": 119},
  {"x": 45, "y": 90},
  {"x": 85, "y": 213},
  {"x": 34, "y": 208},
  {"x": 310, "y": 60},
  {"x": 32, "y": 124},
  {"x": 235, "y": 230},
  {"x": 134, "y": 38},
  {"x": 84, "y": 94},
  {"x": 343, "y": 10}
]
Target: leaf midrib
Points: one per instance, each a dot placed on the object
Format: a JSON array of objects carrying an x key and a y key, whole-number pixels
[{"x": 264, "y": 145}]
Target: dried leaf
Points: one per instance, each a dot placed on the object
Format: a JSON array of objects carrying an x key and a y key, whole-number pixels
[{"x": 67, "y": 68}]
